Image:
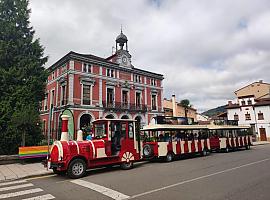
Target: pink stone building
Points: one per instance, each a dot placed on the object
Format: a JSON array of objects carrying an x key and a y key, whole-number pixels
[{"x": 87, "y": 87}]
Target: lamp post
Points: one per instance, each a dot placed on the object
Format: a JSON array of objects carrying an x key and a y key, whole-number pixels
[{"x": 49, "y": 131}]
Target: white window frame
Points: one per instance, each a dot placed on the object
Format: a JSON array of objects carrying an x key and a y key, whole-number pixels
[
  {"x": 128, "y": 95},
  {"x": 136, "y": 97},
  {"x": 137, "y": 78},
  {"x": 88, "y": 66},
  {"x": 45, "y": 102},
  {"x": 52, "y": 97},
  {"x": 64, "y": 68},
  {"x": 91, "y": 94},
  {"x": 109, "y": 72},
  {"x": 153, "y": 82},
  {"x": 53, "y": 75},
  {"x": 61, "y": 95},
  {"x": 155, "y": 100},
  {"x": 110, "y": 87}
]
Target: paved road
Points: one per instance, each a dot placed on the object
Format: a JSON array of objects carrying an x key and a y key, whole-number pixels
[{"x": 240, "y": 175}]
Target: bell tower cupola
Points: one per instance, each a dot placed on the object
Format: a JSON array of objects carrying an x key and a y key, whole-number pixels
[
  {"x": 121, "y": 41},
  {"x": 123, "y": 56}
]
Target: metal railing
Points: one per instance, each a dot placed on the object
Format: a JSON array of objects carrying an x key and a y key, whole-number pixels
[{"x": 124, "y": 106}]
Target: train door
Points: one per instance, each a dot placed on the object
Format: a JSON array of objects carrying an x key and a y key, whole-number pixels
[{"x": 116, "y": 135}]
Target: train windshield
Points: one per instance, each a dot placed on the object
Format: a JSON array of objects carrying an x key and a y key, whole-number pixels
[{"x": 100, "y": 130}]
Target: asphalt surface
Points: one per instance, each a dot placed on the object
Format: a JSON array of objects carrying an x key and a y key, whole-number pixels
[{"x": 240, "y": 175}]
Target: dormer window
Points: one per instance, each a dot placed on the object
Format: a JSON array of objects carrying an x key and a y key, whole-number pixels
[
  {"x": 243, "y": 102},
  {"x": 249, "y": 102}
]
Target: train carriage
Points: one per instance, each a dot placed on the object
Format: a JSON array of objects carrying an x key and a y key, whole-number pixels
[
  {"x": 226, "y": 138},
  {"x": 167, "y": 141}
]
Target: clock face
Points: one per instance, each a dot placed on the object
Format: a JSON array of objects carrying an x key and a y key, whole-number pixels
[{"x": 124, "y": 59}]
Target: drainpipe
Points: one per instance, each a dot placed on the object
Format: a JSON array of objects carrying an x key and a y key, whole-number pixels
[{"x": 256, "y": 124}]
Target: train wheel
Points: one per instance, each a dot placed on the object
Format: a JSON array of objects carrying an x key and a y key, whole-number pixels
[
  {"x": 169, "y": 157},
  {"x": 148, "y": 151},
  {"x": 76, "y": 168},
  {"x": 127, "y": 160},
  {"x": 204, "y": 152},
  {"x": 247, "y": 147},
  {"x": 126, "y": 165},
  {"x": 227, "y": 149}
]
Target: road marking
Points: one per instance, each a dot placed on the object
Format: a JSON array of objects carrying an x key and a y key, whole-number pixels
[
  {"x": 198, "y": 178},
  {"x": 16, "y": 187},
  {"x": 101, "y": 189},
  {"x": 40, "y": 177},
  {"x": 42, "y": 197},
  {"x": 20, "y": 193},
  {"x": 12, "y": 182}
]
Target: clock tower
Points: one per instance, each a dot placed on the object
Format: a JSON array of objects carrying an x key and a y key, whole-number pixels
[{"x": 123, "y": 56}]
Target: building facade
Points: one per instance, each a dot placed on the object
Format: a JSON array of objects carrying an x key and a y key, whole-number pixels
[
  {"x": 174, "y": 109},
  {"x": 252, "y": 107},
  {"x": 87, "y": 87}
]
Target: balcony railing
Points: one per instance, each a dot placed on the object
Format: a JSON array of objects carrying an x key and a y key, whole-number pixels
[{"x": 124, "y": 106}]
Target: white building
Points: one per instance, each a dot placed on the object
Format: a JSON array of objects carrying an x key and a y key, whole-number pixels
[{"x": 252, "y": 109}]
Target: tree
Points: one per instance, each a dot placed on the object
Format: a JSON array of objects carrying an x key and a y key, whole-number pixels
[
  {"x": 186, "y": 104},
  {"x": 22, "y": 77}
]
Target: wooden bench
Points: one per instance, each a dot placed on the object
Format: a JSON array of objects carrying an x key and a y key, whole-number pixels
[{"x": 33, "y": 152}]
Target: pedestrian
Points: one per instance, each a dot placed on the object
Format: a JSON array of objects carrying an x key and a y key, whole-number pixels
[{"x": 89, "y": 136}]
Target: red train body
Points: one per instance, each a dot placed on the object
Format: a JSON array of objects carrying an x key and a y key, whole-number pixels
[{"x": 114, "y": 142}]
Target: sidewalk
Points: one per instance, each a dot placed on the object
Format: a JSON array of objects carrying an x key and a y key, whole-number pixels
[
  {"x": 18, "y": 170},
  {"x": 261, "y": 143}
]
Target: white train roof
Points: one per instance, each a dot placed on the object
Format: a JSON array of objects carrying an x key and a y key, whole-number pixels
[{"x": 190, "y": 127}]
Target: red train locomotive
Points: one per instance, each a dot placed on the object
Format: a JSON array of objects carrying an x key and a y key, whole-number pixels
[{"x": 114, "y": 142}]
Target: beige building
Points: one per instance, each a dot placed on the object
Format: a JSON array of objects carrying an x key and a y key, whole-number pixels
[
  {"x": 257, "y": 89},
  {"x": 172, "y": 108}
]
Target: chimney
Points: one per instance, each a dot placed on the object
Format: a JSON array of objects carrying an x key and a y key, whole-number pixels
[
  {"x": 260, "y": 81},
  {"x": 64, "y": 134},
  {"x": 174, "y": 105},
  {"x": 229, "y": 103}
]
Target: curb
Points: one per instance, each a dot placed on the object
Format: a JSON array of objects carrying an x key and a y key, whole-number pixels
[
  {"x": 28, "y": 176},
  {"x": 9, "y": 159},
  {"x": 261, "y": 144},
  {"x": 39, "y": 175}
]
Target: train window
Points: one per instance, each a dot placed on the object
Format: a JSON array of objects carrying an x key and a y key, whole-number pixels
[
  {"x": 130, "y": 130},
  {"x": 123, "y": 130}
]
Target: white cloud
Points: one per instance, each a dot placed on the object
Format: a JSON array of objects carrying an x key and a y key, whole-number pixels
[{"x": 205, "y": 49}]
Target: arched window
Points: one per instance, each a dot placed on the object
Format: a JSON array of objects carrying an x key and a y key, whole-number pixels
[{"x": 110, "y": 116}]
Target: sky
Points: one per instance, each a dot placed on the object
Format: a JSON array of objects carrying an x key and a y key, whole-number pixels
[{"x": 206, "y": 49}]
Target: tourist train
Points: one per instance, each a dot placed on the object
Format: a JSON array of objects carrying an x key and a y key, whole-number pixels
[{"x": 115, "y": 142}]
